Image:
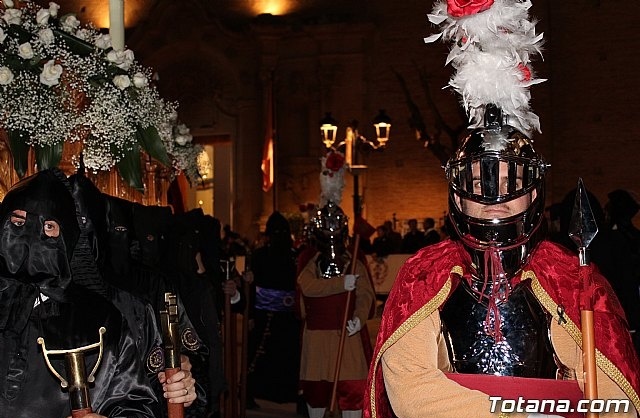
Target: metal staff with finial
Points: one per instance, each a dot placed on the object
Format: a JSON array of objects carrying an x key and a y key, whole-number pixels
[
  {"x": 582, "y": 230},
  {"x": 171, "y": 340},
  {"x": 77, "y": 381}
]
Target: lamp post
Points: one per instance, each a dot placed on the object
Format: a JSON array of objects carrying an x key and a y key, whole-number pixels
[{"x": 353, "y": 138}]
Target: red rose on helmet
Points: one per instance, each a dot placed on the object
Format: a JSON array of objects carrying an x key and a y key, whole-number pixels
[
  {"x": 525, "y": 72},
  {"x": 459, "y": 8},
  {"x": 335, "y": 161}
]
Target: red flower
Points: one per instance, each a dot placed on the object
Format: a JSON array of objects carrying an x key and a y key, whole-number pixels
[
  {"x": 459, "y": 8},
  {"x": 334, "y": 161},
  {"x": 526, "y": 72}
]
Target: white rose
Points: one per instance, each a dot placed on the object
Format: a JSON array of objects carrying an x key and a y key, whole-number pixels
[
  {"x": 69, "y": 23},
  {"x": 140, "y": 80},
  {"x": 46, "y": 36},
  {"x": 182, "y": 129},
  {"x": 12, "y": 16},
  {"x": 122, "y": 59},
  {"x": 183, "y": 139},
  {"x": 25, "y": 51},
  {"x": 127, "y": 61},
  {"x": 50, "y": 75},
  {"x": 112, "y": 56},
  {"x": 83, "y": 34},
  {"x": 3, "y": 36},
  {"x": 103, "y": 41},
  {"x": 42, "y": 17},
  {"x": 8, "y": 3},
  {"x": 53, "y": 9},
  {"x": 6, "y": 76},
  {"x": 121, "y": 81}
]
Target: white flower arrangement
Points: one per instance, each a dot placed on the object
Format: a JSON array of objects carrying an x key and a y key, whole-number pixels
[
  {"x": 61, "y": 82},
  {"x": 186, "y": 155}
]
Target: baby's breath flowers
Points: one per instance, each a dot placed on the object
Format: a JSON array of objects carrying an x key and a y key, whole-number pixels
[{"x": 63, "y": 82}]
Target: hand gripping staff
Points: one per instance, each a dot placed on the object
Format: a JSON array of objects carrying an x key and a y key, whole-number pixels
[
  {"x": 171, "y": 342},
  {"x": 77, "y": 380},
  {"x": 582, "y": 230}
]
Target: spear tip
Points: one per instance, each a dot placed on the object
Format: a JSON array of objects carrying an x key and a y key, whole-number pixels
[{"x": 582, "y": 227}]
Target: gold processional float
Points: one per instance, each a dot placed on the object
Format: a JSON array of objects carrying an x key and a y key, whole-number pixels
[
  {"x": 74, "y": 98},
  {"x": 71, "y": 97}
]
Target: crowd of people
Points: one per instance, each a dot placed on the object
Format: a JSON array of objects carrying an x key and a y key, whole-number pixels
[
  {"x": 388, "y": 240},
  {"x": 66, "y": 249}
]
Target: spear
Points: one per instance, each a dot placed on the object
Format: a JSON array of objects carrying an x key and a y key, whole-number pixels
[
  {"x": 582, "y": 230},
  {"x": 336, "y": 376}
]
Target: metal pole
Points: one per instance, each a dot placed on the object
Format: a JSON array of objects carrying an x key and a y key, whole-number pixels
[
  {"x": 357, "y": 208},
  {"x": 274, "y": 134}
]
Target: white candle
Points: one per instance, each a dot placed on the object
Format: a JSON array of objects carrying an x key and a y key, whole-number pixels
[{"x": 116, "y": 24}]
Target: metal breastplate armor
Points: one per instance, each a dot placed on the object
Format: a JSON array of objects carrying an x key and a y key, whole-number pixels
[{"x": 524, "y": 351}]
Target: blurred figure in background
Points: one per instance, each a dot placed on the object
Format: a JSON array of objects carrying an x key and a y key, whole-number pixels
[
  {"x": 274, "y": 341},
  {"x": 431, "y": 236},
  {"x": 382, "y": 245},
  {"x": 394, "y": 236},
  {"x": 324, "y": 283},
  {"x": 620, "y": 210},
  {"x": 414, "y": 239}
]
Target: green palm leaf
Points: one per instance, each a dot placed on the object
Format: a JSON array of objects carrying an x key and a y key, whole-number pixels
[
  {"x": 19, "y": 151},
  {"x": 130, "y": 169},
  {"x": 151, "y": 142},
  {"x": 49, "y": 156}
]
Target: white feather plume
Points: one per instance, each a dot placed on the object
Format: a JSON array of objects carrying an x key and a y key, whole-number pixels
[
  {"x": 491, "y": 53},
  {"x": 332, "y": 179}
]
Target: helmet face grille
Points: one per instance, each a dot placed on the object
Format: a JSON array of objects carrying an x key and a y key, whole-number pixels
[
  {"x": 476, "y": 173},
  {"x": 329, "y": 224}
]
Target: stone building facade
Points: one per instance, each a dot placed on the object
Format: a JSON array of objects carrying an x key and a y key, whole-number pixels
[{"x": 346, "y": 58}]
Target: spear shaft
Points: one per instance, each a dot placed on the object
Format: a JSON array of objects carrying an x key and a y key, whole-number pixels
[{"x": 582, "y": 230}]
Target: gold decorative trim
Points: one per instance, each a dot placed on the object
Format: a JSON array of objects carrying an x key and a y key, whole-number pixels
[
  {"x": 602, "y": 362},
  {"x": 407, "y": 325}
]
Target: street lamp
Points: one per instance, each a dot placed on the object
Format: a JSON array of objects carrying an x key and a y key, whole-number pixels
[{"x": 329, "y": 129}]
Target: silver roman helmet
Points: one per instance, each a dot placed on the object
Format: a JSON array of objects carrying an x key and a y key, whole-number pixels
[
  {"x": 497, "y": 164},
  {"x": 330, "y": 230}
]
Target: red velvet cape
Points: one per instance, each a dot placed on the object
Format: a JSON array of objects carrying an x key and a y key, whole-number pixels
[{"x": 425, "y": 274}]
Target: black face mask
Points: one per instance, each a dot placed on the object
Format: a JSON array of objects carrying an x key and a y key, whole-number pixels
[
  {"x": 119, "y": 214},
  {"x": 92, "y": 215},
  {"x": 26, "y": 253},
  {"x": 151, "y": 225},
  {"x": 29, "y": 255}
]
